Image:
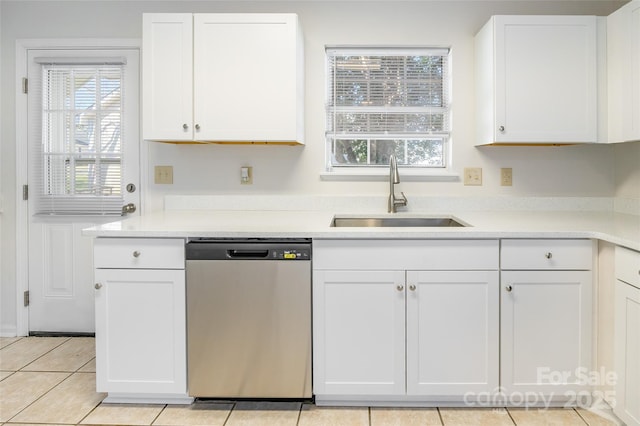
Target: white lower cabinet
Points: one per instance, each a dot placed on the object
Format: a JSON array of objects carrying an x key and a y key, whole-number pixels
[
  {"x": 399, "y": 334},
  {"x": 627, "y": 336},
  {"x": 452, "y": 333},
  {"x": 545, "y": 324},
  {"x": 359, "y": 333},
  {"x": 140, "y": 320}
]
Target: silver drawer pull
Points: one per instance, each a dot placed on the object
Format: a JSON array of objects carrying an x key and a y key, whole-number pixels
[
  {"x": 548, "y": 255},
  {"x": 136, "y": 253},
  {"x": 412, "y": 287},
  {"x": 508, "y": 288},
  {"x": 400, "y": 287},
  {"x": 98, "y": 286}
]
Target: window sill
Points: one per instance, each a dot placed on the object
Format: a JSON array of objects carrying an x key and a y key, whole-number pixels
[{"x": 382, "y": 174}]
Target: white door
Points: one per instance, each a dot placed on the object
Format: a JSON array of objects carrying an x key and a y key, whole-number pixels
[
  {"x": 452, "y": 332},
  {"x": 141, "y": 332},
  {"x": 359, "y": 332},
  {"x": 545, "y": 331},
  {"x": 83, "y": 166}
]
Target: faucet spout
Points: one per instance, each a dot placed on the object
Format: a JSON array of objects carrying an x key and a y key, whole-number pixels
[{"x": 394, "y": 178}]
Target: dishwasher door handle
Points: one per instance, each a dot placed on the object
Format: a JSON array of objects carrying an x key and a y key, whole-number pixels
[{"x": 247, "y": 254}]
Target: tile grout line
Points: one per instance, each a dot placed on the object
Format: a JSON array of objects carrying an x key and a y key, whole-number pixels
[
  {"x": 233, "y": 407},
  {"x": 17, "y": 340},
  {"x": 158, "y": 415},
  {"x": 43, "y": 395},
  {"x": 299, "y": 414},
  {"x": 46, "y": 353},
  {"x": 510, "y": 416},
  {"x": 580, "y": 415}
]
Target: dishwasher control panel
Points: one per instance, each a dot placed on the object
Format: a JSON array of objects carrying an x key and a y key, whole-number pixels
[
  {"x": 247, "y": 249},
  {"x": 291, "y": 254}
]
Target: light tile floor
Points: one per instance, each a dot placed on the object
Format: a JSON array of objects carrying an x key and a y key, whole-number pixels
[{"x": 51, "y": 381}]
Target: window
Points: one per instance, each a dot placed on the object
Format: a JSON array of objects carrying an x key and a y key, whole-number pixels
[
  {"x": 384, "y": 101},
  {"x": 80, "y": 152}
]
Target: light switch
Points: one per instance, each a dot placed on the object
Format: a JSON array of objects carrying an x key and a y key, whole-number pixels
[
  {"x": 246, "y": 175},
  {"x": 472, "y": 176}
]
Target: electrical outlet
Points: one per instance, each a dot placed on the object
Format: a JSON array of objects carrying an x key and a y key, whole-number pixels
[
  {"x": 506, "y": 176},
  {"x": 472, "y": 176},
  {"x": 246, "y": 175},
  {"x": 163, "y": 175}
]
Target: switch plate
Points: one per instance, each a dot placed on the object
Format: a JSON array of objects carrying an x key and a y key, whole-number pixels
[
  {"x": 506, "y": 176},
  {"x": 472, "y": 176},
  {"x": 246, "y": 175},
  {"x": 163, "y": 175}
]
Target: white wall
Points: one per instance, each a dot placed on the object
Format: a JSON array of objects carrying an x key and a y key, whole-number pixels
[{"x": 214, "y": 169}]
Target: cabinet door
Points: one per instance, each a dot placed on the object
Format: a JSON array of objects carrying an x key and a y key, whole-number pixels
[
  {"x": 545, "y": 330},
  {"x": 627, "y": 353},
  {"x": 167, "y": 76},
  {"x": 140, "y": 331},
  {"x": 452, "y": 332},
  {"x": 359, "y": 332},
  {"x": 623, "y": 71},
  {"x": 545, "y": 79},
  {"x": 246, "y": 77}
]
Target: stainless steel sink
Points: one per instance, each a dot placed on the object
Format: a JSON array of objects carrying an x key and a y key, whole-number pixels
[{"x": 405, "y": 222}]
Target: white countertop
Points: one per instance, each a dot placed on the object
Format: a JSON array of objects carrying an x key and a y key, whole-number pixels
[{"x": 617, "y": 228}]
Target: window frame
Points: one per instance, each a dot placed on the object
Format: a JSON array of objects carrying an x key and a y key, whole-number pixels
[{"x": 380, "y": 171}]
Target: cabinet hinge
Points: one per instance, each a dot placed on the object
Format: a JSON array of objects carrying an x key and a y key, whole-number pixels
[
  {"x": 26, "y": 298},
  {"x": 25, "y": 85},
  {"x": 25, "y": 192}
]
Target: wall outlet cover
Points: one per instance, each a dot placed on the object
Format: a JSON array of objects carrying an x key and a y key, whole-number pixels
[
  {"x": 473, "y": 176},
  {"x": 506, "y": 176},
  {"x": 163, "y": 175}
]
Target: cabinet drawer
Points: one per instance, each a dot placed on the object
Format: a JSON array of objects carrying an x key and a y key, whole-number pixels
[
  {"x": 433, "y": 255},
  {"x": 628, "y": 266},
  {"x": 546, "y": 254},
  {"x": 139, "y": 253}
]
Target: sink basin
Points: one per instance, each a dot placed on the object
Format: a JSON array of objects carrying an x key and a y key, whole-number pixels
[{"x": 341, "y": 222}]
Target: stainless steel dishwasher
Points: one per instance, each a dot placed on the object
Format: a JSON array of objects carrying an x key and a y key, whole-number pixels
[{"x": 249, "y": 318}]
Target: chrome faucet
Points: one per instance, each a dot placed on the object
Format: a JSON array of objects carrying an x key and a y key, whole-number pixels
[{"x": 394, "y": 177}]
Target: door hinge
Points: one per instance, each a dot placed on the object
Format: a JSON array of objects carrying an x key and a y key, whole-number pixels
[
  {"x": 25, "y": 85},
  {"x": 25, "y": 192},
  {"x": 26, "y": 298}
]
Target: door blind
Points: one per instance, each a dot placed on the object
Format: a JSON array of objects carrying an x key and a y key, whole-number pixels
[{"x": 79, "y": 164}]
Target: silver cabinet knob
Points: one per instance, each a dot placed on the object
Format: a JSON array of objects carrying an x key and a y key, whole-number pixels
[
  {"x": 548, "y": 255},
  {"x": 185, "y": 126},
  {"x": 412, "y": 287},
  {"x": 508, "y": 288},
  {"x": 98, "y": 286},
  {"x": 136, "y": 253},
  {"x": 400, "y": 287},
  {"x": 197, "y": 127},
  {"x": 501, "y": 128}
]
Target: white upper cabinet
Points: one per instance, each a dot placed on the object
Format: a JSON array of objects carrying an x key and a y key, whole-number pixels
[
  {"x": 223, "y": 78},
  {"x": 623, "y": 61},
  {"x": 536, "y": 80},
  {"x": 167, "y": 76}
]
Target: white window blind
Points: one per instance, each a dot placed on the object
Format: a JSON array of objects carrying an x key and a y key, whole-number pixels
[
  {"x": 384, "y": 101},
  {"x": 79, "y": 164}
]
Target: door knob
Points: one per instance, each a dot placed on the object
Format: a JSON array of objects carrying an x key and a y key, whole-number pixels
[{"x": 128, "y": 208}]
